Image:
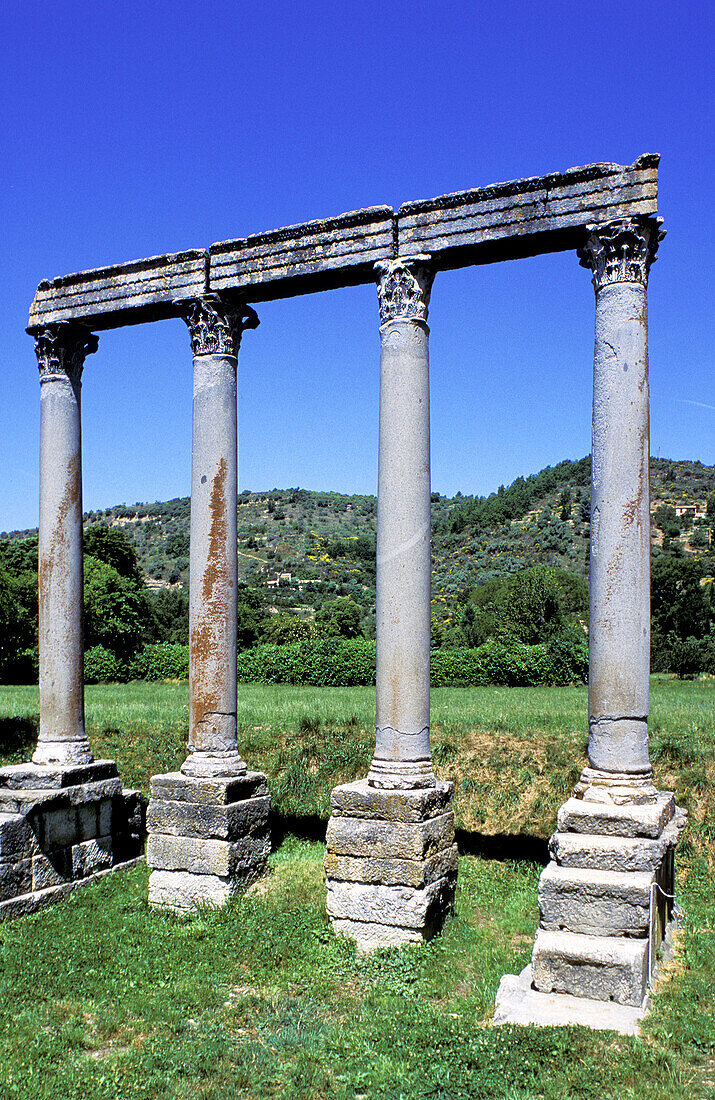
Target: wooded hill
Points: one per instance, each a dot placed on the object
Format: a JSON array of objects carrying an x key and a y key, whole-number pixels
[{"x": 307, "y": 546}]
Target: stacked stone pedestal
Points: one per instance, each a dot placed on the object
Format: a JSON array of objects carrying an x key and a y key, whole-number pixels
[
  {"x": 605, "y": 900},
  {"x": 391, "y": 863},
  {"x": 208, "y": 838},
  {"x": 62, "y": 826}
]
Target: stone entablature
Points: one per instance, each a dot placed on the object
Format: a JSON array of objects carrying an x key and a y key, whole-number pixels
[{"x": 500, "y": 222}]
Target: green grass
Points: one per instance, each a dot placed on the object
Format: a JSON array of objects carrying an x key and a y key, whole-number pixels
[{"x": 99, "y": 997}]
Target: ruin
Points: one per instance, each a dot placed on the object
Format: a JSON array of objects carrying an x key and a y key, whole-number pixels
[{"x": 391, "y": 860}]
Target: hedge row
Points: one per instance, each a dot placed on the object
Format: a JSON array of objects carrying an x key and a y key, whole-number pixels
[{"x": 338, "y": 662}]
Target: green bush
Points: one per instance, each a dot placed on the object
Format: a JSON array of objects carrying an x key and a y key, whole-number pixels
[
  {"x": 101, "y": 666},
  {"x": 160, "y": 661},
  {"x": 347, "y": 662}
]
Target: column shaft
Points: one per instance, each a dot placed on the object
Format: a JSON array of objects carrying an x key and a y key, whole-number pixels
[
  {"x": 402, "y": 753},
  {"x": 62, "y": 738},
  {"x": 213, "y": 746},
  {"x": 619, "y": 617}
]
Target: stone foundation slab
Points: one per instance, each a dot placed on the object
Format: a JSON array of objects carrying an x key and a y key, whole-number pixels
[
  {"x": 517, "y": 1002},
  {"x": 612, "y": 853},
  {"x": 392, "y": 872},
  {"x": 417, "y": 840},
  {"x": 579, "y": 816},
  {"x": 206, "y": 857},
  {"x": 177, "y": 787},
  {"x": 360, "y": 800}
]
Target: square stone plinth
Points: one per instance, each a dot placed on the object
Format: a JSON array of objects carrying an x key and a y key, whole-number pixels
[
  {"x": 61, "y": 827},
  {"x": 390, "y": 863},
  {"x": 208, "y": 838}
]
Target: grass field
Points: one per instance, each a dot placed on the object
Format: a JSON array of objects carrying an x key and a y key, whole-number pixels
[{"x": 102, "y": 998}]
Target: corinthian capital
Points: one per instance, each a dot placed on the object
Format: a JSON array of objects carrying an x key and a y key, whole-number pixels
[
  {"x": 622, "y": 251},
  {"x": 216, "y": 325},
  {"x": 61, "y": 350},
  {"x": 403, "y": 288}
]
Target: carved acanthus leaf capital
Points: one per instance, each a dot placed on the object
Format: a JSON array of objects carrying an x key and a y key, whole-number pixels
[
  {"x": 61, "y": 350},
  {"x": 216, "y": 325},
  {"x": 622, "y": 251},
  {"x": 403, "y": 289}
]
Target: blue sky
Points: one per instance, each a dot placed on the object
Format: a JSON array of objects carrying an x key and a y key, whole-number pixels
[{"x": 136, "y": 128}]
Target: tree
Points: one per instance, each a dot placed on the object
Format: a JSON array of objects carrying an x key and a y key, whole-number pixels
[
  {"x": 710, "y": 509},
  {"x": 565, "y": 502},
  {"x": 117, "y": 611},
  {"x": 283, "y": 628},
  {"x": 339, "y": 618},
  {"x": 111, "y": 545},
  {"x": 679, "y": 603},
  {"x": 171, "y": 615}
]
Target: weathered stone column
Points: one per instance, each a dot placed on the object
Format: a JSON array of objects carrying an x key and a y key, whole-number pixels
[
  {"x": 61, "y": 351},
  {"x": 402, "y": 751},
  {"x": 391, "y": 860},
  {"x": 605, "y": 897},
  {"x": 619, "y": 255},
  {"x": 215, "y": 328},
  {"x": 208, "y": 823}
]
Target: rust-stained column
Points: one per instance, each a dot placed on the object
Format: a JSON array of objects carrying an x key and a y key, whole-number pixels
[
  {"x": 215, "y": 327},
  {"x": 402, "y": 752},
  {"x": 619, "y": 255},
  {"x": 61, "y": 351}
]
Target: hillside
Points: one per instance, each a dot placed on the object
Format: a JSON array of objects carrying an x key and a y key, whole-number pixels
[{"x": 301, "y": 547}]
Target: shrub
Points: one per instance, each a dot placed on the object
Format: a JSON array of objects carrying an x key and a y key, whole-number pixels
[
  {"x": 160, "y": 661},
  {"x": 101, "y": 666}
]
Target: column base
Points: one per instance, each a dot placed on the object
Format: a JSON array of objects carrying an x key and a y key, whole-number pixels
[
  {"x": 214, "y": 765},
  {"x": 617, "y": 788},
  {"x": 62, "y": 825},
  {"x": 208, "y": 838},
  {"x": 391, "y": 863},
  {"x": 401, "y": 775},
  {"x": 57, "y": 753},
  {"x": 605, "y": 901}
]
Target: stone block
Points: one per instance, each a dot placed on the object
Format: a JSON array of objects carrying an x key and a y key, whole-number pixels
[
  {"x": 360, "y": 800},
  {"x": 15, "y": 878},
  {"x": 91, "y": 856},
  {"x": 183, "y": 891},
  {"x": 392, "y": 872},
  {"x": 579, "y": 816},
  {"x": 221, "y": 858},
  {"x": 206, "y": 820},
  {"x": 17, "y": 839},
  {"x": 611, "y": 853},
  {"x": 518, "y": 1003},
  {"x": 598, "y": 903},
  {"x": 52, "y": 869},
  {"x": 30, "y": 776},
  {"x": 175, "y": 787},
  {"x": 602, "y": 968},
  {"x": 418, "y": 840},
  {"x": 370, "y": 936},
  {"x": 400, "y": 906}
]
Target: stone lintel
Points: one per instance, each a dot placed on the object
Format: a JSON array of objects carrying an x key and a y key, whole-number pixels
[
  {"x": 40, "y": 776},
  {"x": 502, "y": 221},
  {"x": 579, "y": 816},
  {"x": 517, "y": 1002},
  {"x": 360, "y": 800},
  {"x": 121, "y": 294},
  {"x": 177, "y": 787},
  {"x": 392, "y": 872},
  {"x": 602, "y": 968}
]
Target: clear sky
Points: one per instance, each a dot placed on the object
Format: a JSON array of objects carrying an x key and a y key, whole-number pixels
[{"x": 134, "y": 128}]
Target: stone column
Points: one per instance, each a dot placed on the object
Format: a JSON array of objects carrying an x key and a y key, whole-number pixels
[
  {"x": 216, "y": 328},
  {"x": 208, "y": 824},
  {"x": 619, "y": 255},
  {"x": 402, "y": 752},
  {"x": 604, "y": 898},
  {"x": 61, "y": 351},
  {"x": 391, "y": 860}
]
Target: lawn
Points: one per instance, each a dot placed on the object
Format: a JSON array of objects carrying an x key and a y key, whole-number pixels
[{"x": 103, "y": 998}]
